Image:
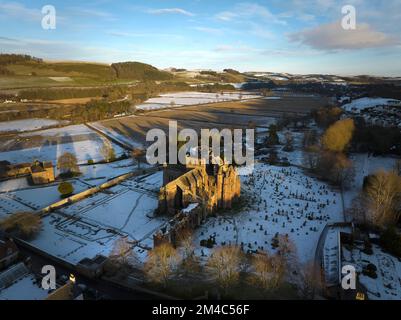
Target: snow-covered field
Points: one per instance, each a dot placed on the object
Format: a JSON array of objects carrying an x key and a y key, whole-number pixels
[
  {"x": 126, "y": 140},
  {"x": 364, "y": 103},
  {"x": 78, "y": 139},
  {"x": 33, "y": 198},
  {"x": 171, "y": 100},
  {"x": 282, "y": 201},
  {"x": 26, "y": 125},
  {"x": 93, "y": 225}
]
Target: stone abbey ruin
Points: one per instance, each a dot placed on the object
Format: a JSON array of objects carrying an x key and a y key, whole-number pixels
[{"x": 192, "y": 192}]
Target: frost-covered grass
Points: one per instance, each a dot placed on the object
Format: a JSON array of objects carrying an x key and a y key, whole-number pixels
[{"x": 26, "y": 125}]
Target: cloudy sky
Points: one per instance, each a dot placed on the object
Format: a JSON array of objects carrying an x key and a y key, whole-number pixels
[{"x": 297, "y": 36}]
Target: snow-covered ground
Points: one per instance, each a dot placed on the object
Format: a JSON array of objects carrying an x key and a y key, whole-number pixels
[
  {"x": 126, "y": 140},
  {"x": 92, "y": 226},
  {"x": 387, "y": 286},
  {"x": 78, "y": 139},
  {"x": 17, "y": 195},
  {"x": 364, "y": 103},
  {"x": 26, "y": 125},
  {"x": 178, "y": 99},
  {"x": 281, "y": 200},
  {"x": 33, "y": 198}
]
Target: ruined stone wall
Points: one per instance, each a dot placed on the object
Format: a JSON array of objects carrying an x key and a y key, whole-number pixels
[{"x": 215, "y": 191}]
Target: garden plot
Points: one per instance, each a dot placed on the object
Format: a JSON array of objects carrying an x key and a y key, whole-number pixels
[
  {"x": 73, "y": 240},
  {"x": 9, "y": 206},
  {"x": 151, "y": 183},
  {"x": 281, "y": 201},
  {"x": 91, "y": 226},
  {"x": 387, "y": 285},
  {"x": 48, "y": 145},
  {"x": 125, "y": 210}
]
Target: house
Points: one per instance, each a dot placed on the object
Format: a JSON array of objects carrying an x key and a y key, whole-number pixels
[
  {"x": 8, "y": 253},
  {"x": 42, "y": 172},
  {"x": 8, "y": 170}
]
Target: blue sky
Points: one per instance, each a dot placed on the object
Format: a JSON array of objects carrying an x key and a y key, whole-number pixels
[{"x": 296, "y": 36}]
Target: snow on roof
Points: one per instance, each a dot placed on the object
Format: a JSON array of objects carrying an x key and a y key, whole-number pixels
[{"x": 190, "y": 207}]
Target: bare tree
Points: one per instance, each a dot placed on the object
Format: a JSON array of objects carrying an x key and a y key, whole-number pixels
[
  {"x": 67, "y": 163},
  {"x": 383, "y": 191},
  {"x": 289, "y": 142},
  {"x": 162, "y": 263},
  {"x": 137, "y": 155},
  {"x": 190, "y": 265},
  {"x": 268, "y": 271},
  {"x": 309, "y": 281},
  {"x": 224, "y": 265},
  {"x": 286, "y": 247},
  {"x": 122, "y": 252},
  {"x": 311, "y": 158},
  {"x": 310, "y": 138},
  {"x": 22, "y": 224},
  {"x": 397, "y": 167},
  {"x": 107, "y": 151}
]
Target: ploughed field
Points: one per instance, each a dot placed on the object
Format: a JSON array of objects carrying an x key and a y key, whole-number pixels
[{"x": 234, "y": 114}]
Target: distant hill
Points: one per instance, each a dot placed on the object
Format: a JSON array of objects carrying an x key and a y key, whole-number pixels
[
  {"x": 28, "y": 66},
  {"x": 139, "y": 71}
]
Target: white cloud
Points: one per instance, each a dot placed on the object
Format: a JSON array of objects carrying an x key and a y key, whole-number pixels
[
  {"x": 142, "y": 35},
  {"x": 17, "y": 10},
  {"x": 214, "y": 31},
  {"x": 171, "y": 11},
  {"x": 249, "y": 11},
  {"x": 92, "y": 13},
  {"x": 333, "y": 37}
]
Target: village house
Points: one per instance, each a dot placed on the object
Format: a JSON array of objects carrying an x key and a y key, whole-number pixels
[{"x": 40, "y": 172}]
